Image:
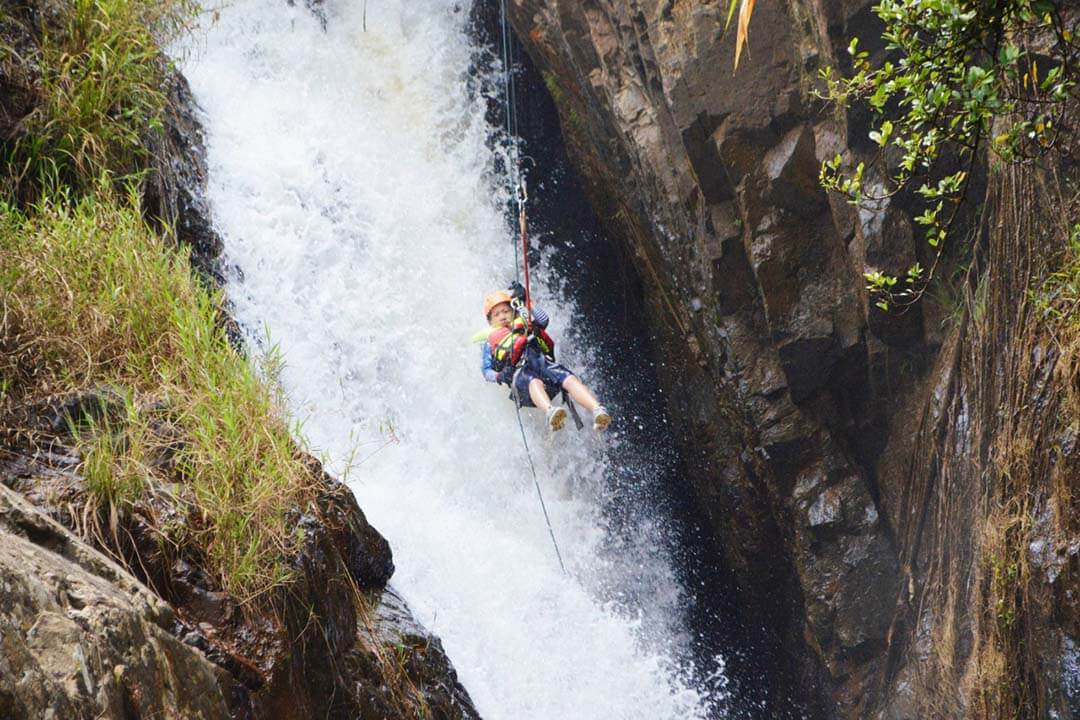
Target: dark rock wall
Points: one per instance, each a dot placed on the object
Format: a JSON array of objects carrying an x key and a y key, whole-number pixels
[
  {"x": 986, "y": 513},
  {"x": 175, "y": 192},
  {"x": 780, "y": 378}
]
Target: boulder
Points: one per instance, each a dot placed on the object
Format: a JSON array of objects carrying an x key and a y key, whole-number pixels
[{"x": 82, "y": 638}]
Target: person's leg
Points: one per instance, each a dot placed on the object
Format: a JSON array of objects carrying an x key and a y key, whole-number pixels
[
  {"x": 538, "y": 394},
  {"x": 579, "y": 393},
  {"x": 556, "y": 416}
]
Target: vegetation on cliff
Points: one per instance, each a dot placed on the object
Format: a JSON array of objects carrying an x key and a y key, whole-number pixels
[
  {"x": 94, "y": 80},
  {"x": 974, "y": 112},
  {"x": 94, "y": 298},
  {"x": 963, "y": 83}
]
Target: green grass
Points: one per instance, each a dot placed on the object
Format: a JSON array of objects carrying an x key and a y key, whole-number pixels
[
  {"x": 1059, "y": 297},
  {"x": 92, "y": 298},
  {"x": 115, "y": 459},
  {"x": 98, "y": 90}
]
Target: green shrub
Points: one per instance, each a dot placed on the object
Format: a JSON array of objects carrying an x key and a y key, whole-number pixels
[{"x": 1059, "y": 297}]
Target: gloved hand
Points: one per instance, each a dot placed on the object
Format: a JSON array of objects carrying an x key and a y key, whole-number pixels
[
  {"x": 505, "y": 376},
  {"x": 517, "y": 291}
]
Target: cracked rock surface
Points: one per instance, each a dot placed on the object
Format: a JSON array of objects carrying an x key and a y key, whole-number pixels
[{"x": 81, "y": 638}]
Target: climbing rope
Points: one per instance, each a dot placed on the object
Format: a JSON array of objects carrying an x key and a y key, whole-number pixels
[
  {"x": 521, "y": 253},
  {"x": 510, "y": 114},
  {"x": 536, "y": 481},
  {"x": 524, "y": 228}
]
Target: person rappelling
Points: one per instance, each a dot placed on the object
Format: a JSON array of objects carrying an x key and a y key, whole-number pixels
[
  {"x": 520, "y": 354},
  {"x": 518, "y": 351}
]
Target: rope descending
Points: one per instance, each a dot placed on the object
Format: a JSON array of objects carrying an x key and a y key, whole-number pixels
[
  {"x": 521, "y": 254},
  {"x": 536, "y": 480},
  {"x": 522, "y": 197},
  {"x": 510, "y": 113}
]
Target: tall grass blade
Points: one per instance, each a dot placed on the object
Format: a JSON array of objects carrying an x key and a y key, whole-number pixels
[{"x": 743, "y": 32}]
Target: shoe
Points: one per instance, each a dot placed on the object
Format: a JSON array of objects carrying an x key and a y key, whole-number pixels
[
  {"x": 601, "y": 418},
  {"x": 556, "y": 417}
]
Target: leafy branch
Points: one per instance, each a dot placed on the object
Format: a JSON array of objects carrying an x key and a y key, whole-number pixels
[{"x": 955, "y": 73}]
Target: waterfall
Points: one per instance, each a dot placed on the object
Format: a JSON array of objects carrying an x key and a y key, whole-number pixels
[{"x": 352, "y": 177}]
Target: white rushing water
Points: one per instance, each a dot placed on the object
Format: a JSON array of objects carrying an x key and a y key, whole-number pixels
[{"x": 351, "y": 176}]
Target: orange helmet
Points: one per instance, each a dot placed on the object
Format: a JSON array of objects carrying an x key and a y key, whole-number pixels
[{"x": 496, "y": 298}]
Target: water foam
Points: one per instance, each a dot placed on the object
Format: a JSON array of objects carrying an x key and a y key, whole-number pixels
[{"x": 351, "y": 178}]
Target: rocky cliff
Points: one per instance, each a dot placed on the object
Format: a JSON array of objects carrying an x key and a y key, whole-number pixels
[
  {"x": 84, "y": 639},
  {"x": 802, "y": 408},
  {"x": 145, "y": 633},
  {"x": 102, "y": 613}
]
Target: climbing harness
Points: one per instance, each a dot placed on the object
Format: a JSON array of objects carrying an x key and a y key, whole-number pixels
[
  {"x": 508, "y": 344},
  {"x": 521, "y": 255},
  {"x": 573, "y": 410}
]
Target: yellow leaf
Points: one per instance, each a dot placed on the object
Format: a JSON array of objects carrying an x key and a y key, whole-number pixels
[{"x": 746, "y": 9}]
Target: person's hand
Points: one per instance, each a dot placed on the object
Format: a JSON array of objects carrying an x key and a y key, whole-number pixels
[
  {"x": 517, "y": 291},
  {"x": 505, "y": 376}
]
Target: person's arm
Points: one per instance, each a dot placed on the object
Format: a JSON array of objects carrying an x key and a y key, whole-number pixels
[
  {"x": 485, "y": 365},
  {"x": 540, "y": 318}
]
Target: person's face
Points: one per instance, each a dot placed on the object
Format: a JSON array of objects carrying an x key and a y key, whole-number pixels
[{"x": 501, "y": 314}]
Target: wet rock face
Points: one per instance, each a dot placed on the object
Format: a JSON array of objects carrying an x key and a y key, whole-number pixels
[
  {"x": 175, "y": 190},
  {"x": 781, "y": 378},
  {"x": 422, "y": 665},
  {"x": 81, "y": 638}
]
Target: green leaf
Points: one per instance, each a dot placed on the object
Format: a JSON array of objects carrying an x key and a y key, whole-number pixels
[
  {"x": 929, "y": 217},
  {"x": 730, "y": 13},
  {"x": 1008, "y": 55},
  {"x": 914, "y": 273}
]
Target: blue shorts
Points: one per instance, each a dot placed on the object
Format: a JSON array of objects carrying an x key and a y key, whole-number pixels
[{"x": 538, "y": 367}]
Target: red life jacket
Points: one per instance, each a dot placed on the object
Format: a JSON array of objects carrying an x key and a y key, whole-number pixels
[{"x": 508, "y": 343}]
